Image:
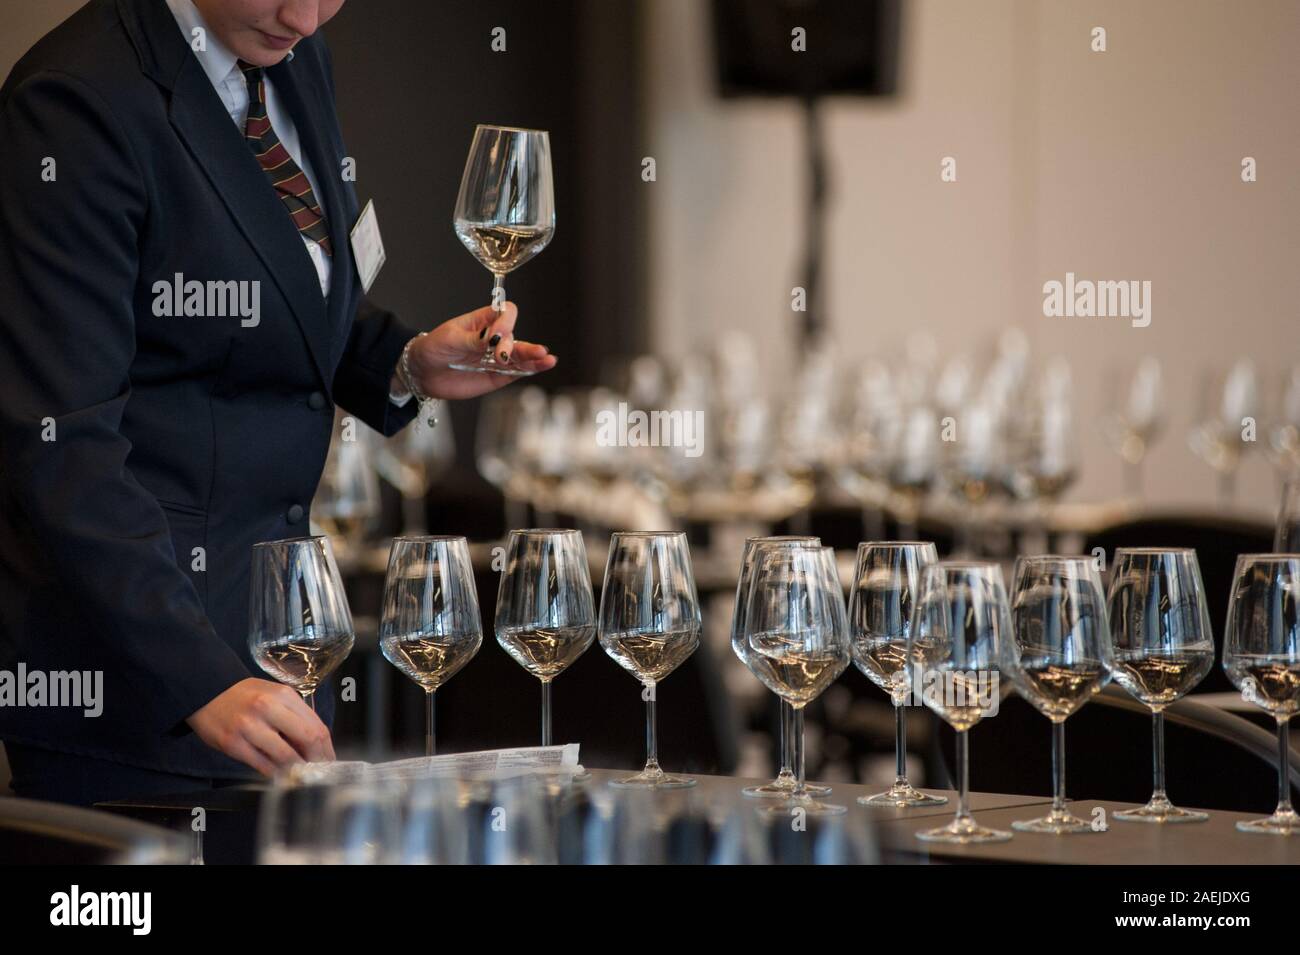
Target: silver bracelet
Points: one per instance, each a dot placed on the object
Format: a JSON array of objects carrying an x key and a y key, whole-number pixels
[{"x": 428, "y": 406}]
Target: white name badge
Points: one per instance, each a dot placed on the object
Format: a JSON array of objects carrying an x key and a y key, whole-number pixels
[{"x": 367, "y": 246}]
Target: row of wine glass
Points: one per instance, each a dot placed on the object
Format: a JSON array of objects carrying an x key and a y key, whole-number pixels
[{"x": 943, "y": 634}]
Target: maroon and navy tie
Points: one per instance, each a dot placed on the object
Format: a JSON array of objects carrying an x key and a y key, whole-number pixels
[{"x": 289, "y": 181}]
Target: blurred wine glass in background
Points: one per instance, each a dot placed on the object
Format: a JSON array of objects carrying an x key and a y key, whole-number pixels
[
  {"x": 1284, "y": 427},
  {"x": 1134, "y": 418},
  {"x": 412, "y": 461},
  {"x": 1228, "y": 400},
  {"x": 502, "y": 447},
  {"x": 1043, "y": 449},
  {"x": 347, "y": 504},
  {"x": 1286, "y": 536}
]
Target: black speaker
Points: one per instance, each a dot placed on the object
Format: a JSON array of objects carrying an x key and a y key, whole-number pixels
[{"x": 851, "y": 47}]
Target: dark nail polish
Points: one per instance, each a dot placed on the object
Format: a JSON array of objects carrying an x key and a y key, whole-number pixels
[
  {"x": 482, "y": 331},
  {"x": 505, "y": 357},
  {"x": 493, "y": 340}
]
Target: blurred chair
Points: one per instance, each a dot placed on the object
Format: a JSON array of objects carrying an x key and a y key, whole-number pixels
[{"x": 45, "y": 833}]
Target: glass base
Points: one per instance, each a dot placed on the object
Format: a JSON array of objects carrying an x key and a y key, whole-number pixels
[
  {"x": 1056, "y": 823},
  {"x": 657, "y": 779},
  {"x": 782, "y": 787},
  {"x": 1160, "y": 810},
  {"x": 963, "y": 831},
  {"x": 901, "y": 795},
  {"x": 810, "y": 807},
  {"x": 1285, "y": 823},
  {"x": 489, "y": 365}
]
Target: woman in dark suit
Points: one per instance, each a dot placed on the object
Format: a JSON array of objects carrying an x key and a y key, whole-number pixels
[{"x": 180, "y": 313}]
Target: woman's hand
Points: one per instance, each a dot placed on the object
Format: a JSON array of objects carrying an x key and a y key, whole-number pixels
[
  {"x": 464, "y": 339},
  {"x": 265, "y": 725}
]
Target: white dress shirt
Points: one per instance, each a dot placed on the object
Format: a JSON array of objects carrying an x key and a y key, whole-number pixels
[{"x": 228, "y": 80}]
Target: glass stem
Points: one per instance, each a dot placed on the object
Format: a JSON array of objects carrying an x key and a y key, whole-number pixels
[
  {"x": 900, "y": 744},
  {"x": 787, "y": 755},
  {"x": 546, "y": 712},
  {"x": 963, "y": 777},
  {"x": 498, "y": 292},
  {"x": 1158, "y": 755},
  {"x": 1283, "y": 760},
  {"x": 1058, "y": 767},
  {"x": 430, "y": 744},
  {"x": 651, "y": 734},
  {"x": 310, "y": 699},
  {"x": 800, "y": 790}
]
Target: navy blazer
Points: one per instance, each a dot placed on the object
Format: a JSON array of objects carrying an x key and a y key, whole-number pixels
[{"x": 129, "y": 439}]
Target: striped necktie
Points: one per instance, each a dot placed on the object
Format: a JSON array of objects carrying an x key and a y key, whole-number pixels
[{"x": 290, "y": 182}]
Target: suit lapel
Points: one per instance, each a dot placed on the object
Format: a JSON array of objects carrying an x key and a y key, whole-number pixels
[
  {"x": 313, "y": 115},
  {"x": 233, "y": 170}
]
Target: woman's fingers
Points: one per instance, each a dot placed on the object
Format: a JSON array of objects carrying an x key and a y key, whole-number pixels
[
  {"x": 530, "y": 356},
  {"x": 271, "y": 745},
  {"x": 488, "y": 323}
]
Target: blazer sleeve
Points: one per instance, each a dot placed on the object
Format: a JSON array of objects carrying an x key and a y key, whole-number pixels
[
  {"x": 68, "y": 271},
  {"x": 363, "y": 377}
]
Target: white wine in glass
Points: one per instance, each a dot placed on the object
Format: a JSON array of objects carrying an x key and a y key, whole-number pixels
[
  {"x": 429, "y": 627},
  {"x": 300, "y": 627},
  {"x": 505, "y": 211}
]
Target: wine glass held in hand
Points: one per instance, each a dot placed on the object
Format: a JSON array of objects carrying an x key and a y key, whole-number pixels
[
  {"x": 1162, "y": 645},
  {"x": 797, "y": 628},
  {"x": 750, "y": 557},
  {"x": 505, "y": 211},
  {"x": 886, "y": 581},
  {"x": 954, "y": 651},
  {"x": 429, "y": 626},
  {"x": 546, "y": 616},
  {"x": 300, "y": 628},
  {"x": 1059, "y": 657},
  {"x": 649, "y": 625},
  {"x": 1261, "y": 655}
]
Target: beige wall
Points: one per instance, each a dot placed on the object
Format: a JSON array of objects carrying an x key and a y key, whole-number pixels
[
  {"x": 1122, "y": 165},
  {"x": 23, "y": 22}
]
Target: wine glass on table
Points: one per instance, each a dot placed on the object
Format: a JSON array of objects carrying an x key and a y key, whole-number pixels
[
  {"x": 546, "y": 616},
  {"x": 505, "y": 210},
  {"x": 649, "y": 625},
  {"x": 429, "y": 625},
  {"x": 886, "y": 582},
  {"x": 755, "y": 548},
  {"x": 1163, "y": 646},
  {"x": 954, "y": 651},
  {"x": 1261, "y": 656},
  {"x": 1059, "y": 657},
  {"x": 299, "y": 624},
  {"x": 797, "y": 629}
]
